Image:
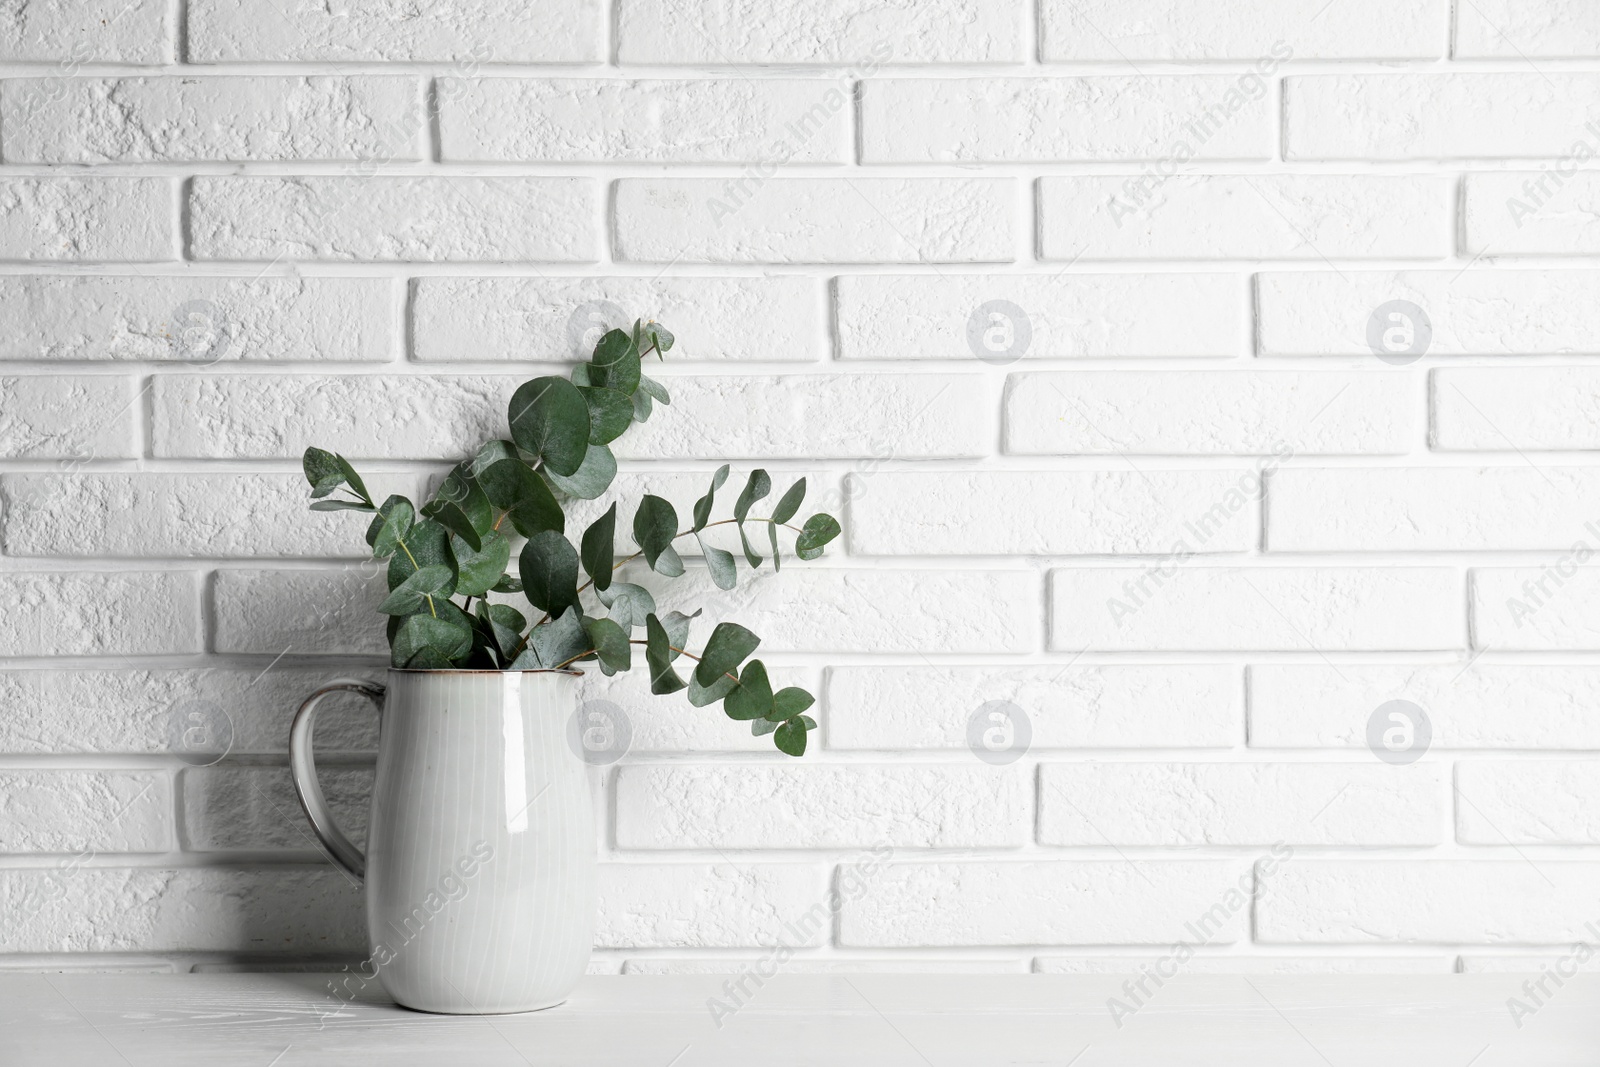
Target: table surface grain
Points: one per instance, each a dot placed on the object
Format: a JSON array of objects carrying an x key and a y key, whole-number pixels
[{"x": 286, "y": 1020}]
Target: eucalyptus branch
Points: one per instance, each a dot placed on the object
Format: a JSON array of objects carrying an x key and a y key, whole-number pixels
[{"x": 459, "y": 545}]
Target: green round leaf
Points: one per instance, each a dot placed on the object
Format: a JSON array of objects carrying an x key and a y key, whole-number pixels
[
  {"x": 445, "y": 638},
  {"x": 594, "y": 475},
  {"x": 702, "y": 507},
  {"x": 655, "y": 524},
  {"x": 462, "y": 489},
  {"x": 752, "y": 697},
  {"x": 719, "y": 561},
  {"x": 550, "y": 419},
  {"x": 660, "y": 337},
  {"x": 789, "y": 702},
  {"x": 658, "y": 657},
  {"x": 512, "y": 486},
  {"x": 615, "y": 363},
  {"x": 409, "y": 596},
  {"x": 393, "y": 521},
  {"x": 599, "y": 548},
  {"x": 560, "y": 640},
  {"x": 491, "y": 453},
  {"x": 791, "y": 738},
  {"x": 610, "y": 413},
  {"x": 728, "y": 646},
  {"x": 611, "y": 642},
  {"x": 323, "y": 471},
  {"x": 701, "y": 696},
  {"x": 789, "y": 503},
  {"x": 629, "y": 604},
  {"x": 480, "y": 570},
  {"x": 757, "y": 486},
  {"x": 549, "y": 568},
  {"x": 817, "y": 532},
  {"x": 425, "y": 543}
]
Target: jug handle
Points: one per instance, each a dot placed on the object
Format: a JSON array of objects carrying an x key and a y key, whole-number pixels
[{"x": 304, "y": 772}]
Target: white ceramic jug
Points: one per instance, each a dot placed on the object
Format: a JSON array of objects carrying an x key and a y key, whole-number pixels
[{"x": 480, "y": 860}]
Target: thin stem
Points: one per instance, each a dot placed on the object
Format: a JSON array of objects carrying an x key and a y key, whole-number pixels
[
  {"x": 724, "y": 522},
  {"x": 432, "y": 610}
]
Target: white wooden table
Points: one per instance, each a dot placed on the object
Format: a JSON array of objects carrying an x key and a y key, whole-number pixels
[{"x": 286, "y": 1020}]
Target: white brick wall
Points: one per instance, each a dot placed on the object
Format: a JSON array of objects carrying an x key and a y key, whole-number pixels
[{"x": 1071, "y": 310}]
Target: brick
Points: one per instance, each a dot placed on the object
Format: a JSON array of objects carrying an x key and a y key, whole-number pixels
[
  {"x": 1493, "y": 409},
  {"x": 1428, "y": 508},
  {"x": 1187, "y": 804},
  {"x": 1050, "y": 903},
  {"x": 1262, "y": 30},
  {"x": 929, "y": 706},
  {"x": 854, "y": 806},
  {"x": 993, "y": 513},
  {"x": 298, "y": 612},
  {"x": 1428, "y": 901},
  {"x": 1481, "y": 706},
  {"x": 822, "y": 416},
  {"x": 1285, "y": 216},
  {"x": 1431, "y": 116},
  {"x": 852, "y": 33},
  {"x": 800, "y": 965},
  {"x": 80, "y": 811},
  {"x": 813, "y": 608},
  {"x": 129, "y": 317},
  {"x": 1538, "y": 608},
  {"x": 867, "y": 416},
  {"x": 815, "y": 220},
  {"x": 73, "y": 908},
  {"x": 1441, "y": 964},
  {"x": 213, "y": 515},
  {"x": 1568, "y": 962},
  {"x": 100, "y": 613},
  {"x": 229, "y": 807},
  {"x": 1531, "y": 213},
  {"x": 1474, "y": 312},
  {"x": 76, "y": 418},
  {"x": 104, "y": 31},
  {"x": 764, "y": 319},
  {"x": 465, "y": 32},
  {"x": 1293, "y": 609},
  {"x": 1549, "y": 802},
  {"x": 66, "y": 964},
  {"x": 132, "y": 219},
  {"x": 363, "y": 417},
  {"x": 725, "y": 905},
  {"x": 195, "y": 713},
  {"x": 568, "y": 120},
  {"x": 1235, "y": 412},
  {"x": 925, "y": 120},
  {"x": 392, "y": 219},
  {"x": 167, "y": 119},
  {"x": 1518, "y": 29},
  {"x": 922, "y": 316}
]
